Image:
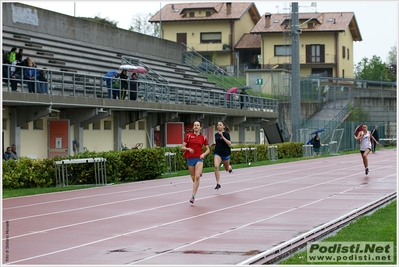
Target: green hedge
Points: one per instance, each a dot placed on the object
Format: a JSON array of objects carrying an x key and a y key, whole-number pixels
[{"x": 122, "y": 166}]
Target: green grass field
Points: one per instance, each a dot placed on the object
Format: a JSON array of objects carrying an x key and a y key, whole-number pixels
[{"x": 380, "y": 226}]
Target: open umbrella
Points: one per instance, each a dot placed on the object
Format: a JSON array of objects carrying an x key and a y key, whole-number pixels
[
  {"x": 138, "y": 69},
  {"x": 110, "y": 74},
  {"x": 358, "y": 129},
  {"x": 318, "y": 131},
  {"x": 231, "y": 91},
  {"x": 127, "y": 67},
  {"x": 245, "y": 87}
]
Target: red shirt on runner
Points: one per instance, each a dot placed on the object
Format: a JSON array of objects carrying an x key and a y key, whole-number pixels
[{"x": 196, "y": 142}]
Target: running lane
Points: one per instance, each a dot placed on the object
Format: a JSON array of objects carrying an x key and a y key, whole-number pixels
[{"x": 153, "y": 223}]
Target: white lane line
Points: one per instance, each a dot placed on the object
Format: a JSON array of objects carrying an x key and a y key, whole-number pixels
[
  {"x": 101, "y": 195},
  {"x": 201, "y": 215},
  {"x": 148, "y": 196}
]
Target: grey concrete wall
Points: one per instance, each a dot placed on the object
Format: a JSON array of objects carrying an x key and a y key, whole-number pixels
[
  {"x": 379, "y": 109},
  {"x": 20, "y": 16}
]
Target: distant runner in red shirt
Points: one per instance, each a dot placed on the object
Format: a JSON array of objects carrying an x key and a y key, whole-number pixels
[{"x": 193, "y": 152}]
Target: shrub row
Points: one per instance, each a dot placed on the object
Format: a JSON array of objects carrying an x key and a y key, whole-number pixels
[{"x": 123, "y": 166}]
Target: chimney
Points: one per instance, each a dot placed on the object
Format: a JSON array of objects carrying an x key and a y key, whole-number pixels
[
  {"x": 228, "y": 8},
  {"x": 268, "y": 17}
]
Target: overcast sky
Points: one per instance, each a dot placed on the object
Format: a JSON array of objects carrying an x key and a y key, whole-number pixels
[{"x": 377, "y": 20}]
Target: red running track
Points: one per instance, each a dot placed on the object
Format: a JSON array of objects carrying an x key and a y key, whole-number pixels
[{"x": 153, "y": 223}]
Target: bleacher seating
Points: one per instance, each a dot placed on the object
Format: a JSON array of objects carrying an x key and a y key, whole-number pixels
[{"x": 70, "y": 56}]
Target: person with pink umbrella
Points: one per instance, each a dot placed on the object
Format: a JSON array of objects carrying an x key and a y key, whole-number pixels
[{"x": 230, "y": 96}]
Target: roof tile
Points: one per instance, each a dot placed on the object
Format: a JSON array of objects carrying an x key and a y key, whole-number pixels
[
  {"x": 327, "y": 21},
  {"x": 175, "y": 12}
]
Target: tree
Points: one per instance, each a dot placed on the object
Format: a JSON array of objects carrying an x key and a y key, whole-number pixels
[
  {"x": 141, "y": 25},
  {"x": 357, "y": 114},
  {"x": 392, "y": 64},
  {"x": 374, "y": 69},
  {"x": 392, "y": 55}
]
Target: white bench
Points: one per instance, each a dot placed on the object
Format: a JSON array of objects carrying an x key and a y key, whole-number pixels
[{"x": 100, "y": 173}]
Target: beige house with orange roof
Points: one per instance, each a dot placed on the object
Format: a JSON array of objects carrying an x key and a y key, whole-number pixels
[
  {"x": 212, "y": 29},
  {"x": 326, "y": 42},
  {"x": 218, "y": 30}
]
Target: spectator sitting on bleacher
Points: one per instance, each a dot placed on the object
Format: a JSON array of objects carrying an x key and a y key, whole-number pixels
[
  {"x": 109, "y": 80},
  {"x": 17, "y": 74},
  {"x": 30, "y": 75},
  {"x": 20, "y": 55},
  {"x": 42, "y": 82}
]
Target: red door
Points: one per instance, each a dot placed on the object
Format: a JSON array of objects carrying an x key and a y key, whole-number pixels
[
  {"x": 174, "y": 133},
  {"x": 58, "y": 138}
]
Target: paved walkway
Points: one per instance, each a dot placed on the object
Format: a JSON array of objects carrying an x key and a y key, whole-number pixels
[{"x": 153, "y": 223}]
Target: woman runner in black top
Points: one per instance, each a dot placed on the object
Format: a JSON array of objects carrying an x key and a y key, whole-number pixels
[{"x": 222, "y": 151}]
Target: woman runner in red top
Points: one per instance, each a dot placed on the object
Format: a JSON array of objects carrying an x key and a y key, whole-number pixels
[{"x": 193, "y": 152}]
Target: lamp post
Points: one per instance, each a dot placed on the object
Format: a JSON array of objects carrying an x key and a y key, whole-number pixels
[{"x": 295, "y": 75}]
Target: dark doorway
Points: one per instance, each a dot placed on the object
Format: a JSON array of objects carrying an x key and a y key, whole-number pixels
[{"x": 181, "y": 38}]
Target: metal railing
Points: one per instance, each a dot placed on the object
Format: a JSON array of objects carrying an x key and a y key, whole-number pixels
[
  {"x": 208, "y": 69},
  {"x": 85, "y": 85},
  {"x": 336, "y": 121}
]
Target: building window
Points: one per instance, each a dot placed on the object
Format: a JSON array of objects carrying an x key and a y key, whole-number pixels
[
  {"x": 97, "y": 125},
  {"x": 315, "y": 54},
  {"x": 208, "y": 13},
  {"x": 347, "y": 53},
  {"x": 141, "y": 125},
  {"x": 132, "y": 126},
  {"x": 4, "y": 124},
  {"x": 86, "y": 127},
  {"x": 107, "y": 125},
  {"x": 38, "y": 124},
  {"x": 211, "y": 37},
  {"x": 191, "y": 14},
  {"x": 343, "y": 52},
  {"x": 25, "y": 126},
  {"x": 282, "y": 50}
]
